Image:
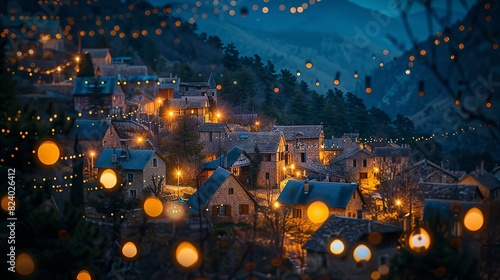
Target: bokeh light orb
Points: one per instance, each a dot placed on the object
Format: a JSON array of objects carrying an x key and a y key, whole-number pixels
[
  {"x": 48, "y": 152},
  {"x": 129, "y": 250},
  {"x": 337, "y": 247},
  {"x": 83, "y": 275},
  {"x": 153, "y": 207},
  {"x": 25, "y": 265},
  {"x": 473, "y": 219},
  {"x": 5, "y": 203},
  {"x": 186, "y": 255},
  {"x": 318, "y": 212},
  {"x": 362, "y": 253},
  {"x": 108, "y": 178},
  {"x": 419, "y": 240}
]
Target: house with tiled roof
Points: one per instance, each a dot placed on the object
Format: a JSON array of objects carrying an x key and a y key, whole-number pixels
[
  {"x": 99, "y": 56},
  {"x": 459, "y": 192},
  {"x": 342, "y": 235},
  {"x": 430, "y": 172},
  {"x": 304, "y": 143},
  {"x": 342, "y": 199},
  {"x": 356, "y": 165},
  {"x": 134, "y": 168},
  {"x": 143, "y": 104},
  {"x": 136, "y": 135},
  {"x": 488, "y": 184},
  {"x": 222, "y": 198},
  {"x": 270, "y": 145},
  {"x": 211, "y": 135},
  {"x": 208, "y": 88},
  {"x": 334, "y": 146},
  {"x": 236, "y": 160},
  {"x": 99, "y": 96},
  {"x": 194, "y": 106}
]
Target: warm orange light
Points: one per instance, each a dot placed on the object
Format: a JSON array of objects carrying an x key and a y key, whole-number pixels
[
  {"x": 5, "y": 203},
  {"x": 276, "y": 90},
  {"x": 474, "y": 219},
  {"x": 108, "y": 178},
  {"x": 83, "y": 275},
  {"x": 336, "y": 82},
  {"x": 419, "y": 240},
  {"x": 186, "y": 255},
  {"x": 309, "y": 65},
  {"x": 368, "y": 90},
  {"x": 129, "y": 250},
  {"x": 24, "y": 264},
  {"x": 318, "y": 212},
  {"x": 362, "y": 253},
  {"x": 398, "y": 202},
  {"x": 48, "y": 152},
  {"x": 153, "y": 207},
  {"x": 337, "y": 247}
]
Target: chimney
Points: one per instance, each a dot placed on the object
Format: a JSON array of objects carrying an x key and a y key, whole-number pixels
[
  {"x": 482, "y": 167},
  {"x": 306, "y": 187},
  {"x": 360, "y": 213},
  {"x": 125, "y": 148}
]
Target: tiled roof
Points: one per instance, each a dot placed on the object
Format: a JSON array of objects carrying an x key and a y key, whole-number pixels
[
  {"x": 226, "y": 160},
  {"x": 138, "y": 159},
  {"x": 486, "y": 178},
  {"x": 129, "y": 130},
  {"x": 267, "y": 142},
  {"x": 85, "y": 85},
  {"x": 189, "y": 102},
  {"x": 388, "y": 152},
  {"x": 439, "y": 208},
  {"x": 208, "y": 189},
  {"x": 429, "y": 164},
  {"x": 293, "y": 132},
  {"x": 349, "y": 154},
  {"x": 351, "y": 230},
  {"x": 213, "y": 127},
  {"x": 447, "y": 191},
  {"x": 336, "y": 195},
  {"x": 141, "y": 78},
  {"x": 334, "y": 144},
  {"x": 96, "y": 53}
]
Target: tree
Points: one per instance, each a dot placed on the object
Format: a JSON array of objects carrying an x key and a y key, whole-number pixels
[
  {"x": 156, "y": 186},
  {"x": 86, "y": 66},
  {"x": 231, "y": 57}
]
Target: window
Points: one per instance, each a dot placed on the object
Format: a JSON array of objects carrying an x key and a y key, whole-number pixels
[
  {"x": 364, "y": 163},
  {"x": 353, "y": 162},
  {"x": 267, "y": 157},
  {"x": 235, "y": 171},
  {"x": 267, "y": 175},
  {"x": 130, "y": 177},
  {"x": 231, "y": 190},
  {"x": 244, "y": 209},
  {"x": 303, "y": 157},
  {"x": 132, "y": 193},
  {"x": 155, "y": 162},
  {"x": 297, "y": 213},
  {"x": 363, "y": 175},
  {"x": 222, "y": 210},
  {"x": 383, "y": 260},
  {"x": 210, "y": 137}
]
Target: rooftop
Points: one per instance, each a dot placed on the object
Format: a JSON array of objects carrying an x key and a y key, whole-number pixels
[
  {"x": 138, "y": 159},
  {"x": 292, "y": 132}
]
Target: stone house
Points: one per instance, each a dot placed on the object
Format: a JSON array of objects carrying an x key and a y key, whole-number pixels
[
  {"x": 322, "y": 263},
  {"x": 99, "y": 96},
  {"x": 136, "y": 135},
  {"x": 336, "y": 146},
  {"x": 211, "y": 135},
  {"x": 222, "y": 198},
  {"x": 134, "y": 168},
  {"x": 208, "y": 88},
  {"x": 143, "y": 104},
  {"x": 304, "y": 143},
  {"x": 99, "y": 57},
  {"x": 270, "y": 145},
  {"x": 341, "y": 198},
  {"x": 194, "y": 106},
  {"x": 356, "y": 165},
  {"x": 236, "y": 160},
  {"x": 429, "y": 172},
  {"x": 458, "y": 192},
  {"x": 487, "y": 183}
]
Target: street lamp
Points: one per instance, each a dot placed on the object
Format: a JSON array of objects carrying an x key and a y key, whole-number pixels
[
  {"x": 178, "y": 178},
  {"x": 91, "y": 169}
]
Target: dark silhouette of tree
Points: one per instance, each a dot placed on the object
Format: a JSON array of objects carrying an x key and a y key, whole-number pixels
[
  {"x": 86, "y": 66},
  {"x": 231, "y": 57}
]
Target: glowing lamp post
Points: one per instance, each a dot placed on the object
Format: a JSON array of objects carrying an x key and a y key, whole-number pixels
[
  {"x": 178, "y": 189},
  {"x": 91, "y": 169}
]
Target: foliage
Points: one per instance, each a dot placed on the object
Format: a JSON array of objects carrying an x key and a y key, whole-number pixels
[{"x": 86, "y": 66}]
